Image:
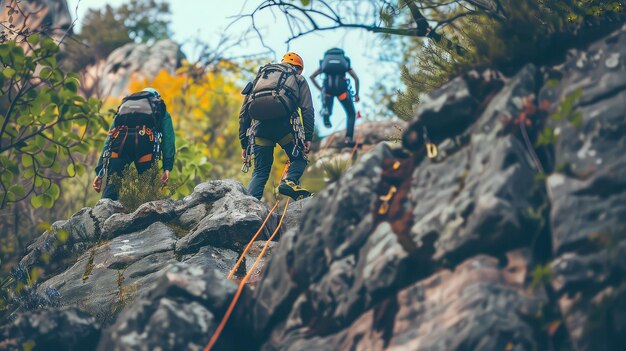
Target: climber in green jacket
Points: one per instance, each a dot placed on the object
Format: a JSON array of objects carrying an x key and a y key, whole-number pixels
[{"x": 141, "y": 133}]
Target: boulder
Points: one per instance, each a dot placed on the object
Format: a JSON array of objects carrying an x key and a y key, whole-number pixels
[
  {"x": 124, "y": 259},
  {"x": 209, "y": 192},
  {"x": 293, "y": 216},
  {"x": 181, "y": 312},
  {"x": 451, "y": 109},
  {"x": 145, "y": 215},
  {"x": 68, "y": 238},
  {"x": 137, "y": 61},
  {"x": 230, "y": 224},
  {"x": 109, "y": 276}
]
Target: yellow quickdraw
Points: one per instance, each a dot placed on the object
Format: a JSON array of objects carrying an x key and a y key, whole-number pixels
[
  {"x": 431, "y": 150},
  {"x": 384, "y": 207}
]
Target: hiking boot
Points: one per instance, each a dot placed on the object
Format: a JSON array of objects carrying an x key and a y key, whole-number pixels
[{"x": 293, "y": 190}]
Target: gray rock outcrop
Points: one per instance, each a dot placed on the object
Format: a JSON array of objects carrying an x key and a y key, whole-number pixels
[
  {"x": 112, "y": 258},
  {"x": 501, "y": 242},
  {"x": 588, "y": 194},
  {"x": 136, "y": 61}
]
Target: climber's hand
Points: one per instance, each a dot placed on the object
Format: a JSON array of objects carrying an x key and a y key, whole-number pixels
[{"x": 97, "y": 184}]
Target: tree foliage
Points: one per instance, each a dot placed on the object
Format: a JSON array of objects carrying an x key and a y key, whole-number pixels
[
  {"x": 43, "y": 125},
  {"x": 502, "y": 34}
]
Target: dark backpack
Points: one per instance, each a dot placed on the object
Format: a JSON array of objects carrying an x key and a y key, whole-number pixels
[
  {"x": 138, "y": 121},
  {"x": 274, "y": 93},
  {"x": 335, "y": 62},
  {"x": 139, "y": 109}
]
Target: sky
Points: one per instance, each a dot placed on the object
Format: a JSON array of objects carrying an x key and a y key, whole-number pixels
[{"x": 209, "y": 20}]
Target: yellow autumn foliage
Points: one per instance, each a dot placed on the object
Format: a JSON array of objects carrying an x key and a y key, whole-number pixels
[{"x": 204, "y": 108}]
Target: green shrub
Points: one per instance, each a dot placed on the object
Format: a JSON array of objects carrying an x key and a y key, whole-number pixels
[
  {"x": 334, "y": 169},
  {"x": 136, "y": 189},
  {"x": 518, "y": 33}
]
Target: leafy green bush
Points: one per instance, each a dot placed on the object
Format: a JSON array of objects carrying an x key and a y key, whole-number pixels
[
  {"x": 136, "y": 189},
  {"x": 44, "y": 123}
]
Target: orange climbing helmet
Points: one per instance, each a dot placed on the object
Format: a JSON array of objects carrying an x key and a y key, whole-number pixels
[{"x": 294, "y": 59}]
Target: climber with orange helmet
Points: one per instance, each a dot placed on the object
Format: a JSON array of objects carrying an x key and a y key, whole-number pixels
[
  {"x": 335, "y": 65},
  {"x": 277, "y": 109}
]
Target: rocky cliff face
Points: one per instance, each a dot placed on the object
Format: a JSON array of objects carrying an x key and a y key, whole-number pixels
[
  {"x": 138, "y": 61},
  {"x": 132, "y": 61},
  {"x": 512, "y": 238},
  {"x": 496, "y": 244},
  {"x": 156, "y": 259}
]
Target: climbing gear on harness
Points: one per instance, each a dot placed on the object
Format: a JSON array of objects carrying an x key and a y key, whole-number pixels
[
  {"x": 298, "y": 136},
  {"x": 106, "y": 157},
  {"x": 294, "y": 59},
  {"x": 293, "y": 190},
  {"x": 138, "y": 115},
  {"x": 249, "y": 153},
  {"x": 273, "y": 93},
  {"x": 431, "y": 149},
  {"x": 247, "y": 162}
]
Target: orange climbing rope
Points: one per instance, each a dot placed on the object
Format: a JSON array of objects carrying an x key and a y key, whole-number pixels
[
  {"x": 231, "y": 307},
  {"x": 243, "y": 254},
  {"x": 245, "y": 250}
]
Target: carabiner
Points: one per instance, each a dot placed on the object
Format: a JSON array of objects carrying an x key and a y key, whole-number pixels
[{"x": 431, "y": 150}]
